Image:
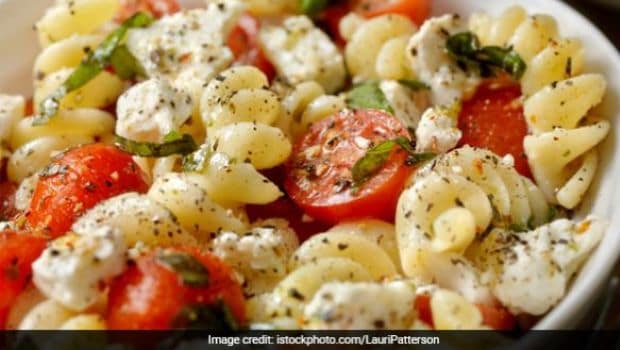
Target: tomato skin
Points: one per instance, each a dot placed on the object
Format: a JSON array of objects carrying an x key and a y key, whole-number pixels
[
  {"x": 243, "y": 42},
  {"x": 77, "y": 181},
  {"x": 321, "y": 185},
  {"x": 493, "y": 119},
  {"x": 497, "y": 317},
  {"x": 149, "y": 295},
  {"x": 7, "y": 201},
  {"x": 330, "y": 19},
  {"x": 422, "y": 306},
  {"x": 158, "y": 8},
  {"x": 17, "y": 253},
  {"x": 417, "y": 10}
]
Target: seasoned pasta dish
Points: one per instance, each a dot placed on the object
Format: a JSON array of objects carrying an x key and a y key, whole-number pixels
[{"x": 295, "y": 164}]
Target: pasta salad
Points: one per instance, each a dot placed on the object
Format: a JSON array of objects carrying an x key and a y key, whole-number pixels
[{"x": 284, "y": 164}]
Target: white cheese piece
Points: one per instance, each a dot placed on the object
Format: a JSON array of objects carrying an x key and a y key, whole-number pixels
[
  {"x": 188, "y": 48},
  {"x": 362, "y": 305},
  {"x": 12, "y": 109},
  {"x": 436, "y": 132},
  {"x": 432, "y": 63},
  {"x": 152, "y": 109},
  {"x": 73, "y": 268},
  {"x": 530, "y": 271},
  {"x": 260, "y": 255},
  {"x": 407, "y": 105},
  {"x": 301, "y": 52},
  {"x": 24, "y": 192}
]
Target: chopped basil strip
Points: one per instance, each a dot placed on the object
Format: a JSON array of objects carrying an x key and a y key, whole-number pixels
[
  {"x": 414, "y": 85},
  {"x": 551, "y": 215},
  {"x": 110, "y": 50},
  {"x": 211, "y": 317},
  {"x": 125, "y": 65},
  {"x": 175, "y": 144},
  {"x": 467, "y": 50},
  {"x": 375, "y": 158},
  {"x": 312, "y": 7},
  {"x": 368, "y": 95},
  {"x": 191, "y": 271},
  {"x": 197, "y": 161}
]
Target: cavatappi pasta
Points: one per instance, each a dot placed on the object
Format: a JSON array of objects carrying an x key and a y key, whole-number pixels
[{"x": 252, "y": 159}]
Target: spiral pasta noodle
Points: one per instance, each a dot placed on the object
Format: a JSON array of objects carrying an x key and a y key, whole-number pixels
[{"x": 558, "y": 95}]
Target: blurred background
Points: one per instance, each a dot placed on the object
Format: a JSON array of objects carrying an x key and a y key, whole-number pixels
[{"x": 606, "y": 15}]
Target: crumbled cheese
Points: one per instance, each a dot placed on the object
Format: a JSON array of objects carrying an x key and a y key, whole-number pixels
[
  {"x": 362, "y": 305},
  {"x": 150, "y": 110},
  {"x": 73, "y": 269},
  {"x": 407, "y": 105},
  {"x": 260, "y": 255},
  {"x": 530, "y": 271},
  {"x": 12, "y": 109},
  {"x": 188, "y": 48},
  {"x": 433, "y": 64},
  {"x": 301, "y": 52},
  {"x": 24, "y": 192},
  {"x": 436, "y": 132}
]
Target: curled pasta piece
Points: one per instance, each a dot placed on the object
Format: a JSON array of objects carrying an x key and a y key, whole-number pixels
[
  {"x": 78, "y": 16},
  {"x": 451, "y": 311},
  {"x": 532, "y": 35},
  {"x": 380, "y": 232},
  {"x": 87, "y": 122},
  {"x": 497, "y": 31},
  {"x": 346, "y": 245},
  {"x": 186, "y": 197},
  {"x": 85, "y": 322},
  {"x": 239, "y": 94},
  {"x": 564, "y": 104},
  {"x": 376, "y": 48},
  {"x": 36, "y": 154},
  {"x": 230, "y": 182},
  {"x": 139, "y": 218},
  {"x": 261, "y": 145},
  {"x": 47, "y": 315},
  {"x": 12, "y": 111},
  {"x": 431, "y": 197},
  {"x": 25, "y": 191},
  {"x": 66, "y": 53},
  {"x": 306, "y": 104},
  {"x": 298, "y": 288},
  {"x": 551, "y": 156},
  {"x": 270, "y": 7}
]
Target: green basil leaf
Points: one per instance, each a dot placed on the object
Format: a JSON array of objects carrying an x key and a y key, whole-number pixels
[
  {"x": 179, "y": 145},
  {"x": 197, "y": 161},
  {"x": 312, "y": 7},
  {"x": 553, "y": 212},
  {"x": 211, "y": 317},
  {"x": 368, "y": 95},
  {"x": 96, "y": 61},
  {"x": 192, "y": 272},
  {"x": 466, "y": 48},
  {"x": 125, "y": 64},
  {"x": 414, "y": 85},
  {"x": 375, "y": 159}
]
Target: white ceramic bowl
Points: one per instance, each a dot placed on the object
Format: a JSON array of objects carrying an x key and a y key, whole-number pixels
[{"x": 18, "y": 47}]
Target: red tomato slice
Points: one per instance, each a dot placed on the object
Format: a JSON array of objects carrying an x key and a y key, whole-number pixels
[
  {"x": 243, "y": 42},
  {"x": 417, "y": 10},
  {"x": 77, "y": 181},
  {"x": 7, "y": 201},
  {"x": 318, "y": 175},
  {"x": 151, "y": 295},
  {"x": 422, "y": 306},
  {"x": 17, "y": 253},
  {"x": 157, "y": 8},
  {"x": 330, "y": 18},
  {"x": 493, "y": 119},
  {"x": 497, "y": 317}
]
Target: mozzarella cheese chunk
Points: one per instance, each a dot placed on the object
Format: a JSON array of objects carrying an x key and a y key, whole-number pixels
[
  {"x": 301, "y": 52},
  {"x": 152, "y": 109},
  {"x": 407, "y": 105},
  {"x": 12, "y": 109},
  {"x": 530, "y": 271},
  {"x": 24, "y": 192},
  {"x": 432, "y": 63},
  {"x": 73, "y": 268},
  {"x": 362, "y": 305},
  {"x": 436, "y": 132},
  {"x": 260, "y": 255},
  {"x": 188, "y": 48}
]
